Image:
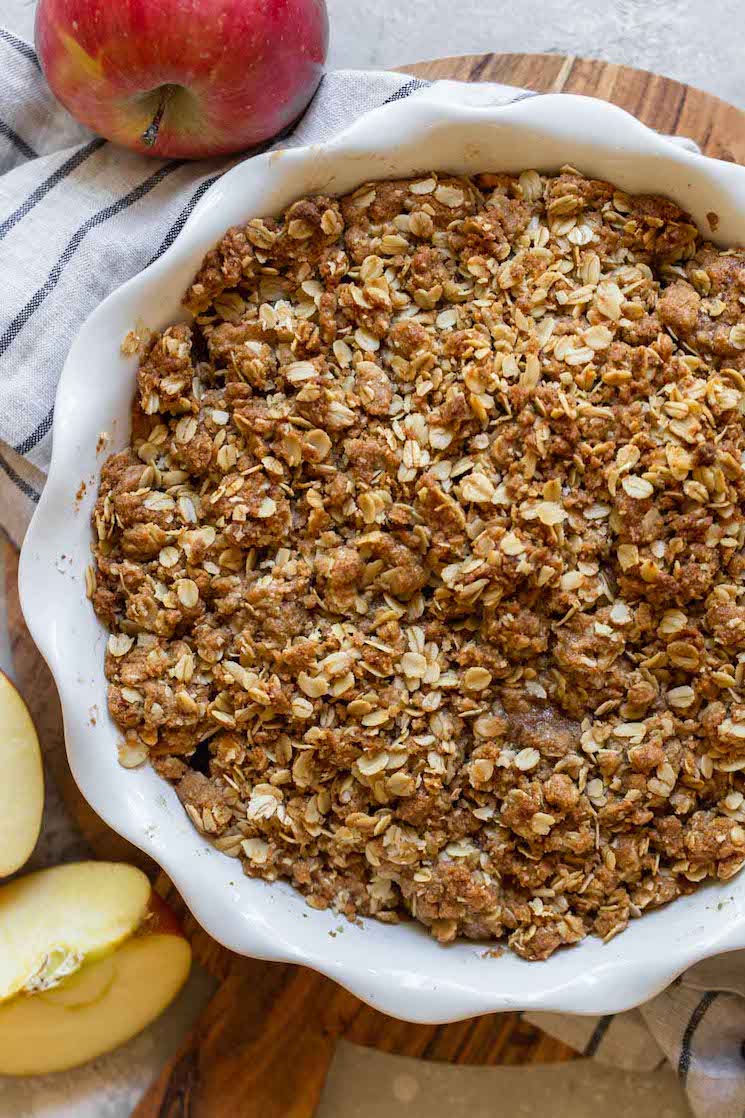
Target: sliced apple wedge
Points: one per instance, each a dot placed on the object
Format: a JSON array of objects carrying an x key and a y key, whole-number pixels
[
  {"x": 86, "y": 987},
  {"x": 105, "y": 1004},
  {"x": 22, "y": 784},
  {"x": 89, "y": 956},
  {"x": 53, "y": 921}
]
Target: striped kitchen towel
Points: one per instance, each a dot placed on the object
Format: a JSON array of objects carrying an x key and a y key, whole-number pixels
[
  {"x": 77, "y": 218},
  {"x": 697, "y": 1025}
]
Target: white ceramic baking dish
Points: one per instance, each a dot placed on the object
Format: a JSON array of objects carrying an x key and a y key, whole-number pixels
[{"x": 399, "y": 969}]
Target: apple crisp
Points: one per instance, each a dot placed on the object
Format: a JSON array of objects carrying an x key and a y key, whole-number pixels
[{"x": 424, "y": 569}]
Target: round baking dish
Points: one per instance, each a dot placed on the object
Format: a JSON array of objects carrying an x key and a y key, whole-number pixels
[{"x": 399, "y": 969}]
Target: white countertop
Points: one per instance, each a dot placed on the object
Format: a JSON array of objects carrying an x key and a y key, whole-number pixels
[{"x": 695, "y": 41}]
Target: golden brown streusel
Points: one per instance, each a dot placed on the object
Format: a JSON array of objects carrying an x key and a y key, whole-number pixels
[{"x": 424, "y": 570}]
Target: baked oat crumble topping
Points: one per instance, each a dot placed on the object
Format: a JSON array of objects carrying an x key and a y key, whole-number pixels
[{"x": 424, "y": 569}]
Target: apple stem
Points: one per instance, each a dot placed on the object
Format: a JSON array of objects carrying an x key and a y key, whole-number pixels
[{"x": 150, "y": 135}]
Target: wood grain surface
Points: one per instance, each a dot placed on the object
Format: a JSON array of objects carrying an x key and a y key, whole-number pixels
[
  {"x": 264, "y": 1043},
  {"x": 664, "y": 104}
]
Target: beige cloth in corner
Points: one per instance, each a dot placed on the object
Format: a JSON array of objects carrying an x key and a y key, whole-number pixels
[{"x": 367, "y": 1084}]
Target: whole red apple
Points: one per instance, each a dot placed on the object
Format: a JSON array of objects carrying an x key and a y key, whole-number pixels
[{"x": 183, "y": 78}]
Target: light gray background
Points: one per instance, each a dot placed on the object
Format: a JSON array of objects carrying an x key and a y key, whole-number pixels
[{"x": 697, "y": 41}]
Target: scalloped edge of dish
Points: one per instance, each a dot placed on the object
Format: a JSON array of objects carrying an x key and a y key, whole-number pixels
[{"x": 439, "y": 984}]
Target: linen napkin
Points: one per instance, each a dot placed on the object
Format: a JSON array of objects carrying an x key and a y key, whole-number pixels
[{"x": 78, "y": 217}]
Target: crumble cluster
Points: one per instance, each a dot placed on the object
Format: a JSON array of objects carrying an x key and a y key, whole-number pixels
[{"x": 424, "y": 569}]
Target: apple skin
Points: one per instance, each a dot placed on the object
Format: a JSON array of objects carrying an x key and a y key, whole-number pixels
[
  {"x": 218, "y": 76},
  {"x": 131, "y": 953},
  {"x": 160, "y": 918}
]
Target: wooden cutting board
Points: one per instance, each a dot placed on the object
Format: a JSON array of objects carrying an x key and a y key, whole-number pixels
[{"x": 264, "y": 1043}]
